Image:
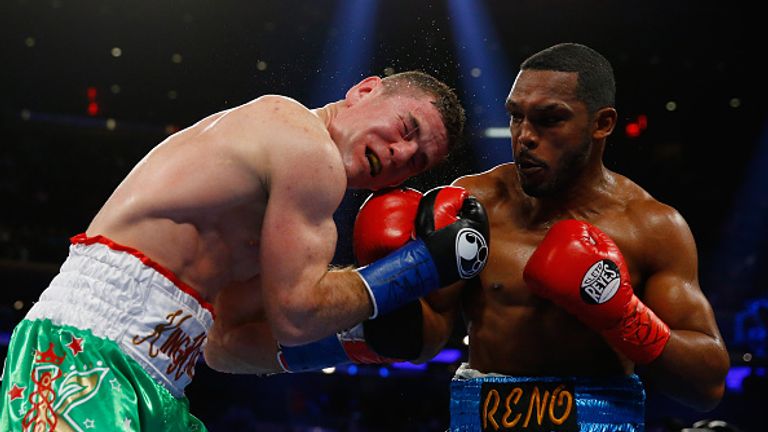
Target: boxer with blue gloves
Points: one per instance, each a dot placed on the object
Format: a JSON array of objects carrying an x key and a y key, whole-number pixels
[{"x": 401, "y": 239}]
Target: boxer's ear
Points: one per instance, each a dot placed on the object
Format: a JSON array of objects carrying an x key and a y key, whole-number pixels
[
  {"x": 604, "y": 123},
  {"x": 361, "y": 90}
]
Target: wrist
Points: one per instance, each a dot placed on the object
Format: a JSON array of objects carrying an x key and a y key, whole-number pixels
[
  {"x": 313, "y": 356},
  {"x": 641, "y": 335},
  {"x": 348, "y": 346},
  {"x": 399, "y": 278}
]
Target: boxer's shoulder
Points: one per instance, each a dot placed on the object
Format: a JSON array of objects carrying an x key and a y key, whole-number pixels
[
  {"x": 491, "y": 185},
  {"x": 649, "y": 215},
  {"x": 661, "y": 233},
  {"x": 275, "y": 103},
  {"x": 276, "y": 114},
  {"x": 645, "y": 228},
  {"x": 304, "y": 141}
]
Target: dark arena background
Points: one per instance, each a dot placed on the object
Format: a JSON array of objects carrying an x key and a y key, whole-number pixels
[{"x": 88, "y": 87}]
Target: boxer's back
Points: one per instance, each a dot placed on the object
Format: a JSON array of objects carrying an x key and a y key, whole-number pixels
[
  {"x": 196, "y": 202},
  {"x": 511, "y": 329}
]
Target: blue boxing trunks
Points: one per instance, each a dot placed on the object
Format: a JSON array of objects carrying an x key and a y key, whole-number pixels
[{"x": 499, "y": 403}]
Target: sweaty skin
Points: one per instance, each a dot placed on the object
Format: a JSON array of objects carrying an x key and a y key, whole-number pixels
[
  {"x": 513, "y": 331},
  {"x": 240, "y": 206}
]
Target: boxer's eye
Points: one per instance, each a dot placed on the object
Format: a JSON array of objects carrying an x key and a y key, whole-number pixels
[{"x": 410, "y": 130}]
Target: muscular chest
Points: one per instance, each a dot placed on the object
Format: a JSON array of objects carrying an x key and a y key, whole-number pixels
[{"x": 512, "y": 245}]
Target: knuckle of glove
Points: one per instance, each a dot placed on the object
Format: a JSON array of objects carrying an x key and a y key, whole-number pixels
[
  {"x": 455, "y": 227},
  {"x": 440, "y": 207},
  {"x": 385, "y": 222},
  {"x": 474, "y": 211}
]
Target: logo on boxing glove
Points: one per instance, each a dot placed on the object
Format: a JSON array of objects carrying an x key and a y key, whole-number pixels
[
  {"x": 600, "y": 282},
  {"x": 471, "y": 252}
]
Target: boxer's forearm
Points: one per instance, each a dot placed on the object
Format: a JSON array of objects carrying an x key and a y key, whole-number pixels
[
  {"x": 438, "y": 325},
  {"x": 338, "y": 301},
  {"x": 692, "y": 369},
  {"x": 248, "y": 348},
  {"x": 440, "y": 310},
  {"x": 435, "y": 339}
]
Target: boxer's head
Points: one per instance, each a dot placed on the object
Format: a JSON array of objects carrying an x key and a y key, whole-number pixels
[
  {"x": 394, "y": 128},
  {"x": 443, "y": 98},
  {"x": 561, "y": 111}
]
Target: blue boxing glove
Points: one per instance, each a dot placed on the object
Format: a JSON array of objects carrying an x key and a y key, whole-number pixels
[
  {"x": 451, "y": 244},
  {"x": 391, "y": 338},
  {"x": 426, "y": 243},
  {"x": 345, "y": 347}
]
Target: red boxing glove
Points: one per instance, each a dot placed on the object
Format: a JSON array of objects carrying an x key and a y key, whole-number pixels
[
  {"x": 384, "y": 223},
  {"x": 580, "y": 268}
]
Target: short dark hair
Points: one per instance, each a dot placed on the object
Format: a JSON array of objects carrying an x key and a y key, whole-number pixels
[
  {"x": 596, "y": 82},
  {"x": 447, "y": 103}
]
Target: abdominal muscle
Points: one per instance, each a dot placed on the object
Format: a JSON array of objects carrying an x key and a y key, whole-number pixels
[
  {"x": 515, "y": 332},
  {"x": 536, "y": 340}
]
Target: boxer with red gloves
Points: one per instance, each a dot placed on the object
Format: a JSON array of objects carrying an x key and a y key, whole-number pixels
[
  {"x": 387, "y": 221},
  {"x": 554, "y": 325},
  {"x": 580, "y": 268}
]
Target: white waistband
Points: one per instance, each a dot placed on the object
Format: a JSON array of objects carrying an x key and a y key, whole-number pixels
[
  {"x": 116, "y": 296},
  {"x": 466, "y": 372}
]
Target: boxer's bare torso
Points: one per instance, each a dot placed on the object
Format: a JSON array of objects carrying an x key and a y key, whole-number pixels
[
  {"x": 512, "y": 330},
  {"x": 561, "y": 115},
  {"x": 240, "y": 207},
  {"x": 196, "y": 202}
]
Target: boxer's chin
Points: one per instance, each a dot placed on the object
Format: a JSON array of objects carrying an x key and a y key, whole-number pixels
[{"x": 535, "y": 186}]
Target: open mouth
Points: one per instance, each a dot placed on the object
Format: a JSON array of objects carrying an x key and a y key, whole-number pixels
[
  {"x": 526, "y": 162},
  {"x": 530, "y": 166},
  {"x": 374, "y": 162}
]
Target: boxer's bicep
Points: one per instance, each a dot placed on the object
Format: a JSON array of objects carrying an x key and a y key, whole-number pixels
[
  {"x": 694, "y": 362},
  {"x": 672, "y": 289},
  {"x": 298, "y": 237}
]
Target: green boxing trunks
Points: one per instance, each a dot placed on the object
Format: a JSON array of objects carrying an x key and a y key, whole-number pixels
[{"x": 110, "y": 345}]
